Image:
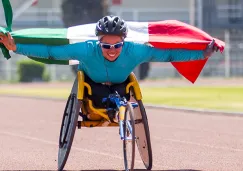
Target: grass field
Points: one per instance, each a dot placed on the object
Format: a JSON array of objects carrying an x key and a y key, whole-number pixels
[{"x": 217, "y": 98}]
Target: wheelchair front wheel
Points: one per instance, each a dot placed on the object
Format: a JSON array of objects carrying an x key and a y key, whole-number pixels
[
  {"x": 143, "y": 136},
  {"x": 68, "y": 127},
  {"x": 129, "y": 138}
]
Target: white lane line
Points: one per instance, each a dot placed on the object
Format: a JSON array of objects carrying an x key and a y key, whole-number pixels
[
  {"x": 196, "y": 129},
  {"x": 156, "y": 126},
  {"x": 191, "y": 143},
  {"x": 56, "y": 144},
  {"x": 73, "y": 147},
  {"x": 199, "y": 144}
]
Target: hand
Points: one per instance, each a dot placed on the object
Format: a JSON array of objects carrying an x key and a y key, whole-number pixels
[
  {"x": 8, "y": 41},
  {"x": 211, "y": 48}
]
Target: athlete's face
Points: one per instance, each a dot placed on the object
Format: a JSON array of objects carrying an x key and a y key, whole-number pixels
[{"x": 111, "y": 46}]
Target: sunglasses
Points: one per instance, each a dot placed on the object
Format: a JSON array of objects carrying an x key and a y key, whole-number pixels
[{"x": 109, "y": 46}]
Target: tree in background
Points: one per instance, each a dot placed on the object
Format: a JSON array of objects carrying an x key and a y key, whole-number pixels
[{"x": 76, "y": 12}]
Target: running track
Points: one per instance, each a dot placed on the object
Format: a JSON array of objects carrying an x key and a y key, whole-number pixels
[{"x": 29, "y": 132}]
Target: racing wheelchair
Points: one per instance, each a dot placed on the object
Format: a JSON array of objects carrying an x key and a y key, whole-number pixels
[{"x": 130, "y": 116}]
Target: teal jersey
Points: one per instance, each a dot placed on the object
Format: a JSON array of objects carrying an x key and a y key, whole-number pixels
[{"x": 100, "y": 70}]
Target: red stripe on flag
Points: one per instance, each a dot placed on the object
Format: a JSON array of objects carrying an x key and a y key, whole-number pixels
[{"x": 175, "y": 34}]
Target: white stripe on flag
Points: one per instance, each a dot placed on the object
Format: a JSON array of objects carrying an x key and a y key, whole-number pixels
[
  {"x": 73, "y": 62},
  {"x": 137, "y": 32},
  {"x": 81, "y": 33}
]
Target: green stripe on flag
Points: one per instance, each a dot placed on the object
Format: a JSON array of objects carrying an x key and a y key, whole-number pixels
[
  {"x": 8, "y": 14},
  {"x": 50, "y": 61},
  {"x": 8, "y": 18},
  {"x": 43, "y": 36}
]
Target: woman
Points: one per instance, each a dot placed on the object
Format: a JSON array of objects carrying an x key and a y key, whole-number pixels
[{"x": 107, "y": 62}]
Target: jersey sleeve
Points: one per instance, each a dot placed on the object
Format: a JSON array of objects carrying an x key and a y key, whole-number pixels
[
  {"x": 144, "y": 53},
  {"x": 77, "y": 51}
]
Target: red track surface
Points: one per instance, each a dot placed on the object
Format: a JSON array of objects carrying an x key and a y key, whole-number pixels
[{"x": 29, "y": 132}]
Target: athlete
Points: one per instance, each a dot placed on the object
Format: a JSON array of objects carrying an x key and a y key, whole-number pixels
[{"x": 107, "y": 62}]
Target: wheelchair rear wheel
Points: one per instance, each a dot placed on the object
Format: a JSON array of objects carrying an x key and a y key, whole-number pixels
[
  {"x": 143, "y": 135},
  {"x": 68, "y": 127},
  {"x": 129, "y": 138}
]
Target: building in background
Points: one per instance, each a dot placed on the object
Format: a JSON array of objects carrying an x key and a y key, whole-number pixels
[
  {"x": 49, "y": 12},
  {"x": 224, "y": 19}
]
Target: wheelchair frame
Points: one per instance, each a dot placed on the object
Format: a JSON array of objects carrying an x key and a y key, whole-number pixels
[{"x": 77, "y": 101}]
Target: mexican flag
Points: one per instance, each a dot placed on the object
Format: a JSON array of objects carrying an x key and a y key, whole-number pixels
[{"x": 161, "y": 34}]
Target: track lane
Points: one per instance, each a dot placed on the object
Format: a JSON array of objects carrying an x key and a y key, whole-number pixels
[{"x": 29, "y": 130}]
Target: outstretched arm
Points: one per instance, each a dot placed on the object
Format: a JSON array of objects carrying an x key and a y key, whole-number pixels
[
  {"x": 143, "y": 53},
  {"x": 64, "y": 52}
]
